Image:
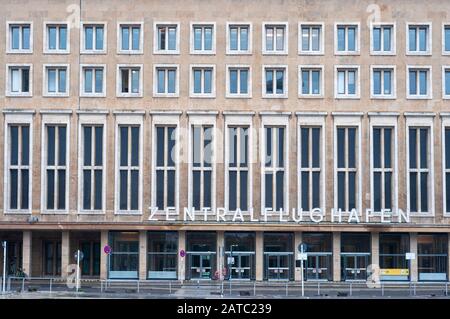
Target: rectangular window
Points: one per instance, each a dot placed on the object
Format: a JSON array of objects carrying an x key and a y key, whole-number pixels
[
  {"x": 311, "y": 41},
  {"x": 57, "y": 38},
  {"x": 166, "y": 80},
  {"x": 202, "y": 166},
  {"x": 203, "y": 39},
  {"x": 383, "y": 39},
  {"x": 92, "y": 168},
  {"x": 446, "y": 166},
  {"x": 419, "y": 83},
  {"x": 56, "y": 80},
  {"x": 130, "y": 38},
  {"x": 419, "y": 169},
  {"x": 347, "y": 168},
  {"x": 203, "y": 81},
  {"x": 167, "y": 38},
  {"x": 129, "y": 168},
  {"x": 310, "y": 170},
  {"x": 165, "y": 180},
  {"x": 20, "y": 38},
  {"x": 382, "y": 168},
  {"x": 347, "y": 39},
  {"x": 347, "y": 83},
  {"x": 238, "y": 167},
  {"x": 274, "y": 170},
  {"x": 18, "y": 167},
  {"x": 445, "y": 82},
  {"x": 238, "y": 81},
  {"x": 311, "y": 81},
  {"x": 275, "y": 82},
  {"x": 56, "y": 143},
  {"x": 129, "y": 81},
  {"x": 382, "y": 82},
  {"x": 239, "y": 39},
  {"x": 93, "y": 81},
  {"x": 446, "y": 39},
  {"x": 94, "y": 37},
  {"x": 275, "y": 39},
  {"x": 419, "y": 40},
  {"x": 19, "y": 80}
]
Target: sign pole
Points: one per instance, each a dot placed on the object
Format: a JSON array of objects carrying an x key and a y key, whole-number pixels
[
  {"x": 4, "y": 267},
  {"x": 303, "y": 282},
  {"x": 78, "y": 269}
]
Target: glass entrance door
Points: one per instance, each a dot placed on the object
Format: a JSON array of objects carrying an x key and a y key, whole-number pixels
[
  {"x": 355, "y": 266},
  {"x": 278, "y": 266},
  {"x": 201, "y": 265},
  {"x": 242, "y": 267},
  {"x": 318, "y": 267}
]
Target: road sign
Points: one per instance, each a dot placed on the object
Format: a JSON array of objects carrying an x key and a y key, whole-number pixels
[
  {"x": 182, "y": 253},
  {"x": 302, "y": 256},
  {"x": 107, "y": 249},
  {"x": 410, "y": 256},
  {"x": 302, "y": 247},
  {"x": 230, "y": 260},
  {"x": 81, "y": 255}
]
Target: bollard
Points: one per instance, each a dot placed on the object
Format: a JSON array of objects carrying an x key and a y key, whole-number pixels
[
  {"x": 51, "y": 282},
  {"x": 318, "y": 288},
  {"x": 446, "y": 288},
  {"x": 221, "y": 290},
  {"x": 254, "y": 288},
  {"x": 138, "y": 286},
  {"x": 23, "y": 284},
  {"x": 286, "y": 289},
  {"x": 351, "y": 289},
  {"x": 382, "y": 289},
  {"x": 170, "y": 287},
  {"x": 414, "y": 289}
]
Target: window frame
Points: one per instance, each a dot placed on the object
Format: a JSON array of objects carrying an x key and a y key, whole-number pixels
[
  {"x": 392, "y": 68},
  {"x": 83, "y": 79},
  {"x": 57, "y": 66},
  {"x": 8, "y": 92},
  {"x": 84, "y": 24},
  {"x": 57, "y": 118},
  {"x": 421, "y": 120},
  {"x": 311, "y": 120},
  {"x": 156, "y": 25},
  {"x": 119, "y": 80},
  {"x": 445, "y": 124},
  {"x": 444, "y": 25},
  {"x": 213, "y": 80},
  {"x": 156, "y": 67},
  {"x": 230, "y": 95},
  {"x": 275, "y": 67},
  {"x": 429, "y": 96},
  {"x": 429, "y": 50},
  {"x": 311, "y": 24},
  {"x": 130, "y": 24},
  {"x": 16, "y": 117},
  {"x": 91, "y": 118},
  {"x": 9, "y": 49},
  {"x": 229, "y": 25},
  {"x": 385, "y": 120},
  {"x": 46, "y": 50},
  {"x": 444, "y": 69},
  {"x": 275, "y": 24},
  {"x": 393, "y": 50},
  {"x": 202, "y": 24},
  {"x": 311, "y": 67},
  {"x": 128, "y": 118},
  {"x": 357, "y": 38},
  {"x": 347, "y": 68}
]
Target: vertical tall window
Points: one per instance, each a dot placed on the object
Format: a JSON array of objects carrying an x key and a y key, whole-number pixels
[
  {"x": 274, "y": 167},
  {"x": 129, "y": 167},
  {"x": 167, "y": 38},
  {"x": 446, "y": 82},
  {"x": 347, "y": 83},
  {"x": 446, "y": 39},
  {"x": 19, "y": 80},
  {"x": 165, "y": 167},
  {"x": 238, "y": 81},
  {"x": 130, "y": 38},
  {"x": 275, "y": 82},
  {"x": 203, "y": 39},
  {"x": 93, "y": 80},
  {"x": 94, "y": 37},
  {"x": 311, "y": 39},
  {"x": 166, "y": 80},
  {"x": 238, "y": 167},
  {"x": 419, "y": 39},
  {"x": 56, "y": 167},
  {"x": 447, "y": 168},
  {"x": 311, "y": 81},
  {"x": 419, "y": 169},
  {"x": 202, "y": 156},
  {"x": 347, "y": 39},
  {"x": 346, "y": 170},
  {"x": 275, "y": 39},
  {"x": 92, "y": 167},
  {"x": 129, "y": 78},
  {"x": 238, "y": 39},
  {"x": 382, "y": 170},
  {"x": 56, "y": 80},
  {"x": 382, "y": 39},
  {"x": 310, "y": 168},
  {"x": 57, "y": 38},
  {"x": 203, "y": 83},
  {"x": 18, "y": 167},
  {"x": 382, "y": 82},
  {"x": 419, "y": 85},
  {"x": 20, "y": 38}
]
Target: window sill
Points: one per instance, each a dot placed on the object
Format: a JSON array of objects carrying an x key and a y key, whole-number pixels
[
  {"x": 310, "y": 96},
  {"x": 166, "y": 52},
  {"x": 383, "y": 97},
  {"x": 412, "y": 97},
  {"x": 238, "y": 96},
  {"x": 62, "y": 52},
  {"x": 93, "y": 95},
  {"x": 420, "y": 53},
  {"x": 131, "y": 52},
  {"x": 382, "y": 53},
  {"x": 19, "y": 52},
  {"x": 310, "y": 53},
  {"x": 132, "y": 95},
  {"x": 166, "y": 95},
  {"x": 239, "y": 52},
  {"x": 93, "y": 52},
  {"x": 18, "y": 95}
]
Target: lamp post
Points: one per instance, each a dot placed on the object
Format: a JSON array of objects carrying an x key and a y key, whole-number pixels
[{"x": 4, "y": 267}]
